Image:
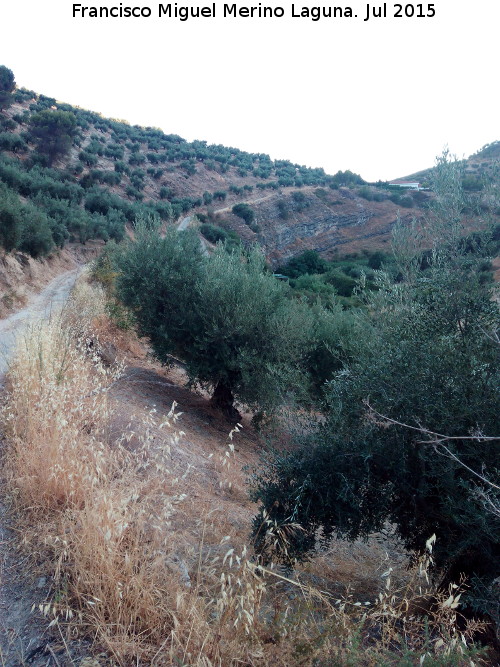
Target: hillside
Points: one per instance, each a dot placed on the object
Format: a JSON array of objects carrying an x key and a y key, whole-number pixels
[
  {"x": 479, "y": 169},
  {"x": 106, "y": 172},
  {"x": 332, "y": 497},
  {"x": 144, "y": 545},
  {"x": 103, "y": 173},
  {"x": 331, "y": 222}
]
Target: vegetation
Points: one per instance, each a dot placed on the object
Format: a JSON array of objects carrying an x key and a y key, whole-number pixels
[
  {"x": 245, "y": 212},
  {"x": 78, "y": 200},
  {"x": 53, "y": 210},
  {"x": 119, "y": 527},
  {"x": 381, "y": 373},
  {"x": 220, "y": 310},
  {"x": 427, "y": 362},
  {"x": 216, "y": 234},
  {"x": 7, "y": 86},
  {"x": 312, "y": 277},
  {"x": 307, "y": 262},
  {"x": 411, "y": 428},
  {"x": 53, "y": 132}
]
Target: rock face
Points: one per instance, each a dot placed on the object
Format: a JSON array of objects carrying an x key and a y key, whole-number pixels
[{"x": 330, "y": 222}]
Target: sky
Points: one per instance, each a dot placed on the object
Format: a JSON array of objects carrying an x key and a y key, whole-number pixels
[{"x": 381, "y": 97}]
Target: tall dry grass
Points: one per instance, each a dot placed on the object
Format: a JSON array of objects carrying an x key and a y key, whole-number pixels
[{"x": 140, "y": 567}]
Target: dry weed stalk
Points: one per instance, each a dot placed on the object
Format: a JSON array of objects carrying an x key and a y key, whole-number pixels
[
  {"x": 57, "y": 414},
  {"x": 132, "y": 571},
  {"x": 224, "y": 462},
  {"x": 418, "y": 617}
]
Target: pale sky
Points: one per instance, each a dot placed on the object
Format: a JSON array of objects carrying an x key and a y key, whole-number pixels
[{"x": 380, "y": 97}]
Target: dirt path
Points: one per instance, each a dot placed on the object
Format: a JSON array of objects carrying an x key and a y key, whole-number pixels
[
  {"x": 22, "y": 639},
  {"x": 185, "y": 222},
  {"x": 52, "y": 297}
]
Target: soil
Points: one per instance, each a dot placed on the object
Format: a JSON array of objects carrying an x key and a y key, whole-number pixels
[
  {"x": 22, "y": 277},
  {"x": 23, "y": 636}
]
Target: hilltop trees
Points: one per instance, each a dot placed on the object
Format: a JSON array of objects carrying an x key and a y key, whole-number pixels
[
  {"x": 7, "y": 85},
  {"x": 225, "y": 317}
]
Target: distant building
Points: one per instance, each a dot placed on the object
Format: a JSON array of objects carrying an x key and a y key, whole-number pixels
[{"x": 411, "y": 185}]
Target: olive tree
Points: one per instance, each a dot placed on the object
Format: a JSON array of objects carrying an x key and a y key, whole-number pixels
[
  {"x": 53, "y": 132},
  {"x": 228, "y": 319},
  {"x": 7, "y": 86},
  {"x": 411, "y": 432}
]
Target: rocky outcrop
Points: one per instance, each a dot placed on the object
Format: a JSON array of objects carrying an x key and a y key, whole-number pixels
[{"x": 327, "y": 221}]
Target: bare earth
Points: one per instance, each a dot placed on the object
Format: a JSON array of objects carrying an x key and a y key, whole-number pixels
[{"x": 22, "y": 638}]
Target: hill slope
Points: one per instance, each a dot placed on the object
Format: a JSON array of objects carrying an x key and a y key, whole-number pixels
[{"x": 109, "y": 172}]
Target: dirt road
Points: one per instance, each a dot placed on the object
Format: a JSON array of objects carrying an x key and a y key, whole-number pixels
[
  {"x": 22, "y": 638},
  {"x": 40, "y": 306}
]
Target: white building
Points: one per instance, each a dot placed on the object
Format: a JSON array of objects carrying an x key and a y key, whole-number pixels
[{"x": 411, "y": 185}]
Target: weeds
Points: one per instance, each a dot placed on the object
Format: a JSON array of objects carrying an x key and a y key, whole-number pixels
[{"x": 136, "y": 566}]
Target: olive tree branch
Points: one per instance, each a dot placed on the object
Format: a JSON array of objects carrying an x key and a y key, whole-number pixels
[{"x": 437, "y": 440}]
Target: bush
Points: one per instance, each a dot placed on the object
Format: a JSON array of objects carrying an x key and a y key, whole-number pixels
[
  {"x": 307, "y": 262},
  {"x": 36, "y": 238},
  {"x": 406, "y": 201},
  {"x": 366, "y": 193},
  {"x": 472, "y": 183},
  {"x": 53, "y": 132},
  {"x": 7, "y": 86},
  {"x": 215, "y": 314},
  {"x": 283, "y": 210},
  {"x": 12, "y": 142},
  {"x": 10, "y": 219},
  {"x": 426, "y": 359},
  {"x": 90, "y": 159},
  {"x": 213, "y": 233},
  {"x": 376, "y": 259},
  {"x": 244, "y": 212},
  {"x": 300, "y": 201},
  {"x": 344, "y": 285}
]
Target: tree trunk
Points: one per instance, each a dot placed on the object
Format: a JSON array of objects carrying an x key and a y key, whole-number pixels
[{"x": 223, "y": 400}]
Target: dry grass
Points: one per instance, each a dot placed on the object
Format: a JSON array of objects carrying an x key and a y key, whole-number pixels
[{"x": 150, "y": 564}]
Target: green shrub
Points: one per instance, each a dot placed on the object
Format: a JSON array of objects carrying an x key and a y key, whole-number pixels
[
  {"x": 366, "y": 193},
  {"x": 300, "y": 201},
  {"x": 7, "y": 86},
  {"x": 90, "y": 159},
  {"x": 213, "y": 233},
  {"x": 376, "y": 259},
  {"x": 282, "y": 209},
  {"x": 10, "y": 219},
  {"x": 245, "y": 212},
  {"x": 402, "y": 438},
  {"x": 53, "y": 132},
  {"x": 12, "y": 142},
  {"x": 307, "y": 262},
  {"x": 36, "y": 238}
]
